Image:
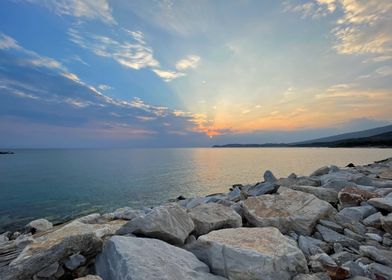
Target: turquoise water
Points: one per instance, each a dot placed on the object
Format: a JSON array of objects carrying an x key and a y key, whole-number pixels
[{"x": 61, "y": 184}]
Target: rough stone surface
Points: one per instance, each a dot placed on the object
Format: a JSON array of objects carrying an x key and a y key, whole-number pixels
[
  {"x": 74, "y": 261},
  {"x": 373, "y": 220},
  {"x": 263, "y": 188},
  {"x": 386, "y": 223},
  {"x": 384, "y": 203},
  {"x": 289, "y": 211},
  {"x": 321, "y": 171},
  {"x": 250, "y": 253},
  {"x": 49, "y": 270},
  {"x": 329, "y": 195},
  {"x": 350, "y": 196},
  {"x": 380, "y": 272},
  {"x": 212, "y": 216},
  {"x": 332, "y": 225},
  {"x": 333, "y": 237},
  {"x": 269, "y": 177},
  {"x": 379, "y": 255},
  {"x": 236, "y": 195},
  {"x": 311, "y": 246},
  {"x": 168, "y": 222},
  {"x": 144, "y": 258},
  {"x": 39, "y": 225},
  {"x": 127, "y": 213},
  {"x": 354, "y": 214}
]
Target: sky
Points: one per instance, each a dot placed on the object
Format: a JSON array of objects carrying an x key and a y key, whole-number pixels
[{"x": 184, "y": 73}]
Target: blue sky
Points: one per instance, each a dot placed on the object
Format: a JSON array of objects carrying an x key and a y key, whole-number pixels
[{"x": 100, "y": 73}]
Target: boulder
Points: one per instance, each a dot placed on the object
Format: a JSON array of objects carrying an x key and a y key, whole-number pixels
[
  {"x": 55, "y": 246},
  {"x": 354, "y": 214},
  {"x": 379, "y": 255},
  {"x": 90, "y": 219},
  {"x": 386, "y": 223},
  {"x": 134, "y": 258},
  {"x": 328, "y": 195},
  {"x": 212, "y": 216},
  {"x": 263, "y": 188},
  {"x": 236, "y": 195},
  {"x": 168, "y": 222},
  {"x": 384, "y": 203},
  {"x": 39, "y": 226},
  {"x": 311, "y": 246},
  {"x": 250, "y": 254},
  {"x": 332, "y": 225},
  {"x": 321, "y": 171},
  {"x": 338, "y": 185},
  {"x": 373, "y": 220},
  {"x": 269, "y": 177},
  {"x": 379, "y": 271},
  {"x": 350, "y": 196},
  {"x": 333, "y": 237},
  {"x": 299, "y": 181},
  {"x": 289, "y": 211},
  {"x": 49, "y": 271},
  {"x": 127, "y": 213}
]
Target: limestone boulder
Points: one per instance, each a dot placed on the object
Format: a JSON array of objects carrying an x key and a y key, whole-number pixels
[
  {"x": 250, "y": 254},
  {"x": 169, "y": 223},
  {"x": 288, "y": 211},
  {"x": 135, "y": 258},
  {"x": 213, "y": 216}
]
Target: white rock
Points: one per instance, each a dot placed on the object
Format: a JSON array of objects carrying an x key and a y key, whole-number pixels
[
  {"x": 144, "y": 258},
  {"x": 39, "y": 225},
  {"x": 250, "y": 254}
]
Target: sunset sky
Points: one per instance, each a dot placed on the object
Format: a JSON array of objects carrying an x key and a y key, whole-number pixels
[{"x": 139, "y": 73}]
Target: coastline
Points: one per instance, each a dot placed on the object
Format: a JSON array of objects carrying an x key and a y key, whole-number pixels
[{"x": 334, "y": 224}]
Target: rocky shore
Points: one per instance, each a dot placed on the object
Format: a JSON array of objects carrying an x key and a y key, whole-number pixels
[{"x": 335, "y": 223}]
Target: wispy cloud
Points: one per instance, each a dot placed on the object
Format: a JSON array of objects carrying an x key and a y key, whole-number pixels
[
  {"x": 6, "y": 42},
  {"x": 84, "y": 9},
  {"x": 191, "y": 61}
]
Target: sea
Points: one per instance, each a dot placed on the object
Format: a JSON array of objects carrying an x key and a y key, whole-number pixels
[{"x": 61, "y": 184}]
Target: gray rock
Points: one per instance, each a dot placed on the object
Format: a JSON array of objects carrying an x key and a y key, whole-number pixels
[
  {"x": 331, "y": 225},
  {"x": 144, "y": 258},
  {"x": 168, "y": 222},
  {"x": 236, "y": 195},
  {"x": 374, "y": 237},
  {"x": 333, "y": 237},
  {"x": 324, "y": 259},
  {"x": 379, "y": 271},
  {"x": 353, "y": 235},
  {"x": 90, "y": 219},
  {"x": 74, "y": 261},
  {"x": 373, "y": 220},
  {"x": 354, "y": 214},
  {"x": 321, "y": 171},
  {"x": 387, "y": 240},
  {"x": 39, "y": 226},
  {"x": 263, "y": 188},
  {"x": 315, "y": 276},
  {"x": 311, "y": 246},
  {"x": 337, "y": 247},
  {"x": 384, "y": 203},
  {"x": 338, "y": 185},
  {"x": 343, "y": 257},
  {"x": 299, "y": 181},
  {"x": 49, "y": 270},
  {"x": 212, "y": 216},
  {"x": 250, "y": 254},
  {"x": 289, "y": 211},
  {"x": 127, "y": 213},
  {"x": 269, "y": 177},
  {"x": 328, "y": 195},
  {"x": 89, "y": 277},
  {"x": 386, "y": 223},
  {"x": 356, "y": 270},
  {"x": 379, "y": 255}
]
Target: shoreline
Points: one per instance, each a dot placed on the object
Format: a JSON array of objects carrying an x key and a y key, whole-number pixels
[{"x": 336, "y": 212}]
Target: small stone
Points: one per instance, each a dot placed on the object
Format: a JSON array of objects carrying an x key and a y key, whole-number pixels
[
  {"x": 343, "y": 257},
  {"x": 269, "y": 177},
  {"x": 263, "y": 188},
  {"x": 350, "y": 196},
  {"x": 331, "y": 236},
  {"x": 74, "y": 261}
]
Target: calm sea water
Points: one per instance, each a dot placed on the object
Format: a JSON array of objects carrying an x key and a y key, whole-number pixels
[{"x": 61, "y": 184}]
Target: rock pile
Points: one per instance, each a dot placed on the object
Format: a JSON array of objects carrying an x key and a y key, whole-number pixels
[{"x": 334, "y": 224}]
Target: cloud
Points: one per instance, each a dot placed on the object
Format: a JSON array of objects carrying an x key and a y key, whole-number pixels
[
  {"x": 362, "y": 28},
  {"x": 104, "y": 87},
  {"x": 191, "y": 61},
  {"x": 7, "y": 42},
  {"x": 168, "y": 76},
  {"x": 84, "y": 9},
  {"x": 384, "y": 71}
]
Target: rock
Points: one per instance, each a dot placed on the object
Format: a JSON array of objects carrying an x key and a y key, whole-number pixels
[
  {"x": 192, "y": 202},
  {"x": 343, "y": 257},
  {"x": 127, "y": 213},
  {"x": 89, "y": 277},
  {"x": 263, "y": 188},
  {"x": 4, "y": 237},
  {"x": 90, "y": 219},
  {"x": 354, "y": 214},
  {"x": 289, "y": 211},
  {"x": 386, "y": 223},
  {"x": 350, "y": 165},
  {"x": 384, "y": 203},
  {"x": 374, "y": 237},
  {"x": 321, "y": 171},
  {"x": 353, "y": 235},
  {"x": 236, "y": 195},
  {"x": 333, "y": 237},
  {"x": 328, "y": 195},
  {"x": 299, "y": 181},
  {"x": 324, "y": 259},
  {"x": 331, "y": 225},
  {"x": 337, "y": 248},
  {"x": 212, "y": 216},
  {"x": 168, "y": 222},
  {"x": 379, "y": 255},
  {"x": 49, "y": 270},
  {"x": 338, "y": 185},
  {"x": 250, "y": 253},
  {"x": 356, "y": 270},
  {"x": 373, "y": 220},
  {"x": 315, "y": 276},
  {"x": 38, "y": 226},
  {"x": 350, "y": 196},
  {"x": 57, "y": 245},
  {"x": 380, "y": 272},
  {"x": 337, "y": 273},
  {"x": 387, "y": 240},
  {"x": 311, "y": 246},
  {"x": 144, "y": 258},
  {"x": 269, "y": 177},
  {"x": 74, "y": 261}
]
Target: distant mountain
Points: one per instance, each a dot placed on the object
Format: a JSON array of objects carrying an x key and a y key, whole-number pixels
[
  {"x": 377, "y": 137},
  {"x": 350, "y": 135}
]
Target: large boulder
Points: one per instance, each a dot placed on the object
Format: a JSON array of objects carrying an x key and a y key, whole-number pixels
[
  {"x": 39, "y": 225},
  {"x": 134, "y": 258},
  {"x": 212, "y": 216},
  {"x": 250, "y": 253},
  {"x": 328, "y": 195},
  {"x": 168, "y": 222},
  {"x": 58, "y": 245},
  {"x": 288, "y": 211}
]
